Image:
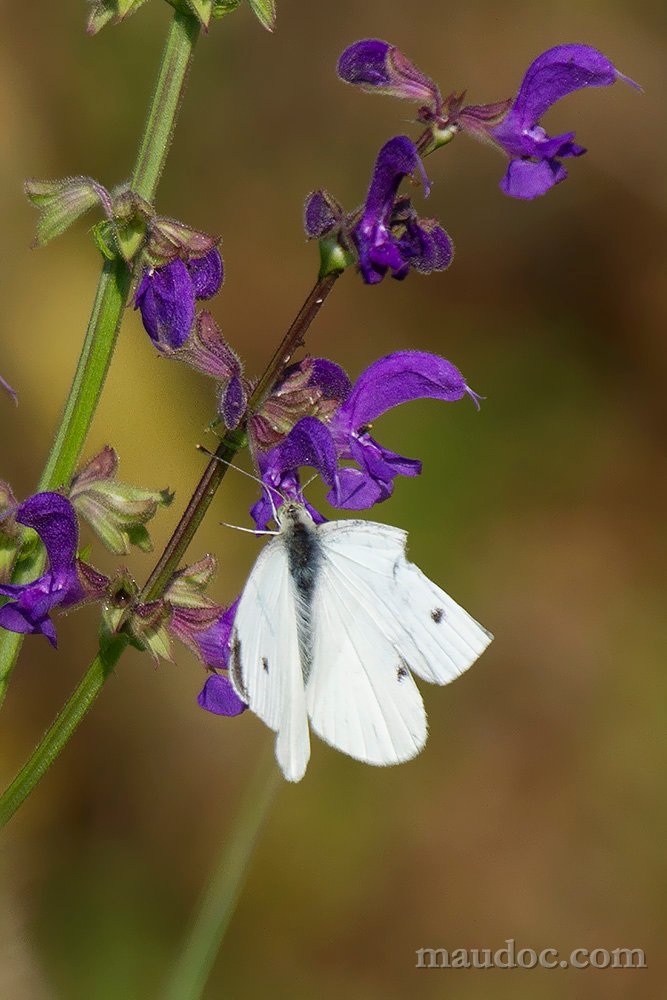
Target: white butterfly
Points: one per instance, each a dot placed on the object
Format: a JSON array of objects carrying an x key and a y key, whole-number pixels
[{"x": 331, "y": 625}]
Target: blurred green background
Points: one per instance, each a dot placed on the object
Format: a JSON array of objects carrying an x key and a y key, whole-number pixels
[{"x": 537, "y": 811}]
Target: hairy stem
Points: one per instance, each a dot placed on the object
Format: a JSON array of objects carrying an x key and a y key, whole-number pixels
[
  {"x": 221, "y": 897},
  {"x": 110, "y": 301}
]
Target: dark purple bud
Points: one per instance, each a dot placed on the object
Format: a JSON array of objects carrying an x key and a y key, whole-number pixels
[
  {"x": 321, "y": 214},
  {"x": 376, "y": 66},
  {"x": 233, "y": 403},
  {"x": 166, "y": 299}
]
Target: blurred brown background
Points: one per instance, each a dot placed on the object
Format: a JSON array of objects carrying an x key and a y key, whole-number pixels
[{"x": 537, "y": 811}]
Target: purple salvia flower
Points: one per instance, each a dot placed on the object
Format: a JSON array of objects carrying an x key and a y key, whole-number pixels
[
  {"x": 392, "y": 380},
  {"x": 166, "y": 297},
  {"x": 535, "y": 157},
  {"x": 376, "y": 66},
  {"x": 389, "y": 382},
  {"x": 378, "y": 248},
  {"x": 53, "y": 518}
]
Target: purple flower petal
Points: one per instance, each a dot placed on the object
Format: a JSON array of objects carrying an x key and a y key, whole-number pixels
[
  {"x": 395, "y": 379},
  {"x": 309, "y": 443},
  {"x": 219, "y": 697},
  {"x": 166, "y": 299},
  {"x": 376, "y": 66},
  {"x": 529, "y": 179},
  {"x": 332, "y": 380},
  {"x": 557, "y": 72},
  {"x": 207, "y": 273},
  {"x": 52, "y": 516}
]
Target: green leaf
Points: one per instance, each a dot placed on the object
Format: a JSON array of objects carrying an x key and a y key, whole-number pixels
[{"x": 265, "y": 12}]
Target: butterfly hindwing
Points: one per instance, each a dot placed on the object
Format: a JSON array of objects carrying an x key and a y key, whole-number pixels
[{"x": 265, "y": 665}]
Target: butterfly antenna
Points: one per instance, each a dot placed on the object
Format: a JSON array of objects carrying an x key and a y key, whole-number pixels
[{"x": 265, "y": 486}]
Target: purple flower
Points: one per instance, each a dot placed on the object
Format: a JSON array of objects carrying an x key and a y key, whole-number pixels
[
  {"x": 166, "y": 297},
  {"x": 392, "y": 380},
  {"x": 389, "y": 236},
  {"x": 535, "y": 157},
  {"x": 375, "y": 65},
  {"x": 54, "y": 520}
]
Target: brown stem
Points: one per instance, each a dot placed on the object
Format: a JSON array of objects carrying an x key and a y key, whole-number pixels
[{"x": 232, "y": 442}]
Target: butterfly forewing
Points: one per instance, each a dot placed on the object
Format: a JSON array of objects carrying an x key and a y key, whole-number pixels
[
  {"x": 265, "y": 664},
  {"x": 376, "y": 617}
]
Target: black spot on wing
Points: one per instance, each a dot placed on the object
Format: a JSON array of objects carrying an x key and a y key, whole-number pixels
[
  {"x": 437, "y": 615},
  {"x": 401, "y": 672},
  {"x": 265, "y": 664}
]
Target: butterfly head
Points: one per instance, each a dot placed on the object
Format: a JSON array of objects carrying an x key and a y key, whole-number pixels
[{"x": 291, "y": 513}]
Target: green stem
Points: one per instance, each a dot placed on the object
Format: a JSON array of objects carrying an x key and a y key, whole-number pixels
[
  {"x": 110, "y": 300},
  {"x": 90, "y": 375},
  {"x": 62, "y": 728},
  {"x": 221, "y": 897}
]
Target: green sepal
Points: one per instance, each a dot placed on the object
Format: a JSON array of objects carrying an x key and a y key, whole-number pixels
[
  {"x": 130, "y": 238},
  {"x": 104, "y": 238},
  {"x": 187, "y": 586},
  {"x": 334, "y": 257},
  {"x": 169, "y": 238},
  {"x": 223, "y": 7},
  {"x": 117, "y": 512},
  {"x": 62, "y": 202},
  {"x": 110, "y": 11},
  {"x": 265, "y": 12},
  {"x": 201, "y": 9}
]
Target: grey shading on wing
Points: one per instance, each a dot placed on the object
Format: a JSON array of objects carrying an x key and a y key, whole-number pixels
[
  {"x": 265, "y": 666},
  {"x": 376, "y": 618}
]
